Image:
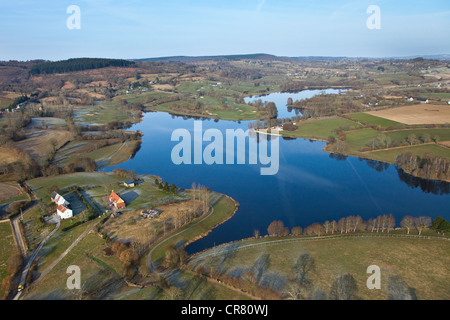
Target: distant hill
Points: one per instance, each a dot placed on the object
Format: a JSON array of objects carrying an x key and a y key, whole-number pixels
[
  {"x": 264, "y": 56},
  {"x": 187, "y": 59},
  {"x": 427, "y": 57},
  {"x": 77, "y": 64}
]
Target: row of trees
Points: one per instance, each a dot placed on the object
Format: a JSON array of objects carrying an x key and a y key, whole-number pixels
[
  {"x": 166, "y": 187},
  {"x": 353, "y": 223}
]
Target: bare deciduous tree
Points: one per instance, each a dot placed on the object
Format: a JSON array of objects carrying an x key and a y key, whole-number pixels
[
  {"x": 422, "y": 223},
  {"x": 296, "y": 231}
]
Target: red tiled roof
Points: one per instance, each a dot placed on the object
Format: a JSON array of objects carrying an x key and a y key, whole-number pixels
[{"x": 114, "y": 197}]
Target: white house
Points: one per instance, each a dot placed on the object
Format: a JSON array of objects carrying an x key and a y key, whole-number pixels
[
  {"x": 64, "y": 212},
  {"x": 59, "y": 200}
]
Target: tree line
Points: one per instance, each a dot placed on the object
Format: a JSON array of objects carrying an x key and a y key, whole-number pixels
[{"x": 355, "y": 223}]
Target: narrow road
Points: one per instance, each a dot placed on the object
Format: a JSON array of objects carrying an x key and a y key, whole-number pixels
[
  {"x": 18, "y": 237},
  {"x": 34, "y": 255},
  {"x": 18, "y": 234}
]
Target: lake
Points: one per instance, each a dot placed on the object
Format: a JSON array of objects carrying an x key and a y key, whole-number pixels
[
  {"x": 310, "y": 186},
  {"x": 280, "y": 99}
]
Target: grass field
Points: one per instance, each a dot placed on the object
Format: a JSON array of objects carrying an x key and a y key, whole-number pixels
[
  {"x": 334, "y": 257},
  {"x": 433, "y": 150},
  {"x": 223, "y": 209},
  {"x": 373, "y": 120},
  {"x": 100, "y": 114},
  {"x": 7, "y": 156},
  {"x": 40, "y": 185},
  {"x": 192, "y": 287},
  {"x": 106, "y": 156},
  {"x": 8, "y": 248},
  {"x": 443, "y": 134},
  {"x": 321, "y": 128},
  {"x": 236, "y": 112},
  {"x": 101, "y": 278},
  {"x": 201, "y": 91},
  {"x": 94, "y": 275},
  {"x": 8, "y": 191},
  {"x": 35, "y": 230},
  {"x": 131, "y": 226},
  {"x": 5, "y": 102},
  {"x": 357, "y": 139},
  {"x": 40, "y": 143}
]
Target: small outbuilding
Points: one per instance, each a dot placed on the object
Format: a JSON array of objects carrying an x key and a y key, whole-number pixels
[
  {"x": 129, "y": 183},
  {"x": 422, "y": 100}
]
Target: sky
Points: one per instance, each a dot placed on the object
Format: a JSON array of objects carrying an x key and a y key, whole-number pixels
[{"x": 133, "y": 29}]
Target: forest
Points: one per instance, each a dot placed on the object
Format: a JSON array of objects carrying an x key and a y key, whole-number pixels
[{"x": 77, "y": 64}]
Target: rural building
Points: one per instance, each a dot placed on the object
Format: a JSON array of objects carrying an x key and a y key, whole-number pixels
[
  {"x": 117, "y": 201},
  {"x": 422, "y": 100},
  {"x": 64, "y": 212},
  {"x": 129, "y": 183},
  {"x": 59, "y": 200},
  {"x": 410, "y": 99}
]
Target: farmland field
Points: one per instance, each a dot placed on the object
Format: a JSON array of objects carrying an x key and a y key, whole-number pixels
[
  {"x": 416, "y": 114},
  {"x": 373, "y": 120},
  {"x": 433, "y": 150},
  {"x": 320, "y": 129},
  {"x": 8, "y": 191},
  {"x": 39, "y": 142}
]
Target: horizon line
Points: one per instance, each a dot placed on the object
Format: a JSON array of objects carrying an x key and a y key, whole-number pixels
[{"x": 243, "y": 55}]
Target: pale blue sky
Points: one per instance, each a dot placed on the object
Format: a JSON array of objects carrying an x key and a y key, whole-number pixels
[{"x": 32, "y": 29}]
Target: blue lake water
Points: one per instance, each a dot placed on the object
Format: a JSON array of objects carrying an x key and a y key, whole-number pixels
[
  {"x": 310, "y": 186},
  {"x": 280, "y": 99}
]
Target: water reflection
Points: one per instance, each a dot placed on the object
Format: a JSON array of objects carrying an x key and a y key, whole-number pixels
[
  {"x": 377, "y": 165},
  {"x": 428, "y": 186},
  {"x": 337, "y": 156}
]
